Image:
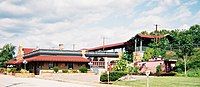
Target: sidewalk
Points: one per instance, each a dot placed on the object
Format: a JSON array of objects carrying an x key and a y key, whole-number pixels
[{"x": 78, "y": 78}]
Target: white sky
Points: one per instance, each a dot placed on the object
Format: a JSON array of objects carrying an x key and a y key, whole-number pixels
[{"x": 46, "y": 23}]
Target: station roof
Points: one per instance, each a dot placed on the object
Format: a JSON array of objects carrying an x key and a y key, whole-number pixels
[
  {"x": 28, "y": 50},
  {"x": 43, "y": 58},
  {"x": 108, "y": 47}
]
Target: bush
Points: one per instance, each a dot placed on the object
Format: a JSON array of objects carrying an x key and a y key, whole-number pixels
[
  {"x": 9, "y": 70},
  {"x": 132, "y": 70},
  {"x": 158, "y": 69},
  {"x": 193, "y": 73},
  {"x": 167, "y": 74},
  {"x": 13, "y": 70},
  {"x": 74, "y": 71},
  {"x": 83, "y": 69},
  {"x": 24, "y": 71},
  {"x": 55, "y": 69},
  {"x": 113, "y": 76},
  {"x": 2, "y": 70},
  {"x": 121, "y": 65},
  {"x": 65, "y": 70}
]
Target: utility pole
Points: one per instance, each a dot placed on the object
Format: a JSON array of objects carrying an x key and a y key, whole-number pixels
[
  {"x": 103, "y": 43},
  {"x": 73, "y": 46}
]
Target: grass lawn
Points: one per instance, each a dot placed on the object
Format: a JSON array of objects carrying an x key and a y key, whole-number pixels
[{"x": 163, "y": 82}]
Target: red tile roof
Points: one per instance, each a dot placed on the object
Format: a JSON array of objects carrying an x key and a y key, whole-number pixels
[
  {"x": 14, "y": 62},
  {"x": 51, "y": 58},
  {"x": 58, "y": 58},
  {"x": 28, "y": 50},
  {"x": 109, "y": 46}
]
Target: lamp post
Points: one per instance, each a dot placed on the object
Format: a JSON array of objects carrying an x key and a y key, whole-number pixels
[
  {"x": 90, "y": 64},
  {"x": 108, "y": 70},
  {"x": 25, "y": 62},
  {"x": 147, "y": 72}
]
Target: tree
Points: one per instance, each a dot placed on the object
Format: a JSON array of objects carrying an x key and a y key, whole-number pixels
[
  {"x": 144, "y": 33},
  {"x": 149, "y": 53},
  {"x": 6, "y": 54},
  {"x": 127, "y": 56},
  {"x": 185, "y": 42},
  {"x": 121, "y": 65}
]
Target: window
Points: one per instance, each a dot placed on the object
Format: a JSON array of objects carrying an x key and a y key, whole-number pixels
[
  {"x": 50, "y": 65},
  {"x": 80, "y": 64},
  {"x": 70, "y": 65}
]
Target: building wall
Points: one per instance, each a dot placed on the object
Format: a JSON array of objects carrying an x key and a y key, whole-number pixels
[
  {"x": 61, "y": 65},
  {"x": 45, "y": 65}
]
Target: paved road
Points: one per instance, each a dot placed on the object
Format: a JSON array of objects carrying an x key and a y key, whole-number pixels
[{"x": 11, "y": 81}]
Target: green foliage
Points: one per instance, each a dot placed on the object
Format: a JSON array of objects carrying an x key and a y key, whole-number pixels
[
  {"x": 132, "y": 70},
  {"x": 2, "y": 70},
  {"x": 13, "y": 70},
  {"x": 24, "y": 71},
  {"x": 65, "y": 71},
  {"x": 170, "y": 55},
  {"x": 144, "y": 33},
  {"x": 148, "y": 54},
  {"x": 193, "y": 73},
  {"x": 127, "y": 56},
  {"x": 6, "y": 54},
  {"x": 113, "y": 76},
  {"x": 83, "y": 69},
  {"x": 74, "y": 71},
  {"x": 193, "y": 62},
  {"x": 121, "y": 65},
  {"x": 55, "y": 69},
  {"x": 158, "y": 69}
]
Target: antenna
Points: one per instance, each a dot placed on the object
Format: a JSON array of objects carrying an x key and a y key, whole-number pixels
[
  {"x": 104, "y": 42},
  {"x": 73, "y": 46}
]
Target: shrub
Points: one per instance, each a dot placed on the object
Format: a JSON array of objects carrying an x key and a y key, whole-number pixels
[
  {"x": 121, "y": 65},
  {"x": 113, "y": 76},
  {"x": 158, "y": 69},
  {"x": 132, "y": 70},
  {"x": 193, "y": 73},
  {"x": 9, "y": 70},
  {"x": 168, "y": 74},
  {"x": 13, "y": 70},
  {"x": 55, "y": 69},
  {"x": 24, "y": 71},
  {"x": 74, "y": 71},
  {"x": 65, "y": 70},
  {"x": 2, "y": 70},
  {"x": 83, "y": 69}
]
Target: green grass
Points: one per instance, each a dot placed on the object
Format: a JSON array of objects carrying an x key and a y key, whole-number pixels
[{"x": 163, "y": 82}]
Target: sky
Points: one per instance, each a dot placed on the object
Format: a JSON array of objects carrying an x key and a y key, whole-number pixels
[{"x": 47, "y": 23}]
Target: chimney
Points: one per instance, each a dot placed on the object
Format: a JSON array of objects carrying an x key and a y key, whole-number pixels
[{"x": 61, "y": 46}]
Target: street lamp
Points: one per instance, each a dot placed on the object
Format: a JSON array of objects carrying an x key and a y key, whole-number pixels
[
  {"x": 147, "y": 72},
  {"x": 108, "y": 67},
  {"x": 90, "y": 64},
  {"x": 25, "y": 62}
]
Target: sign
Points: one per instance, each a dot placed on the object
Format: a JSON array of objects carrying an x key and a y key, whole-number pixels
[
  {"x": 25, "y": 62},
  {"x": 147, "y": 72}
]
